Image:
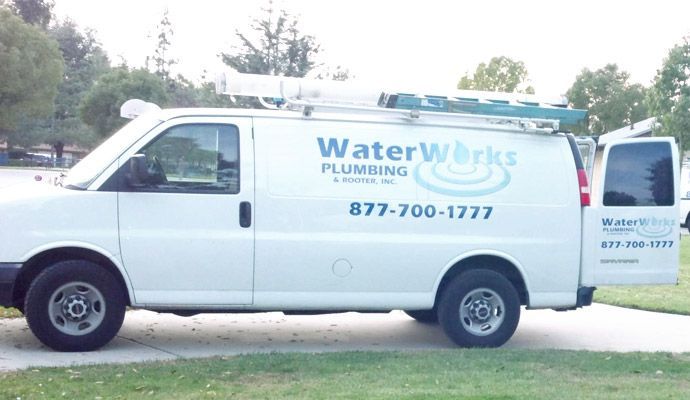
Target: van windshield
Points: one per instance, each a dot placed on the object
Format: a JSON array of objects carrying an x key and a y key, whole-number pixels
[{"x": 86, "y": 171}]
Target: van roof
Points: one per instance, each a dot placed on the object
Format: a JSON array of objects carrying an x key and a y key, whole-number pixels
[{"x": 374, "y": 115}]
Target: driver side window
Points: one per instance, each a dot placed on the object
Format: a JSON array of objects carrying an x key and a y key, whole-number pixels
[{"x": 192, "y": 158}]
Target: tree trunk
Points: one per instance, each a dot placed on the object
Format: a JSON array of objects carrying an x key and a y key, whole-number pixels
[{"x": 59, "y": 147}]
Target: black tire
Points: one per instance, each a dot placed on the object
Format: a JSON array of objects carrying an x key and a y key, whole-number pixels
[
  {"x": 489, "y": 315},
  {"x": 75, "y": 306},
  {"x": 687, "y": 222},
  {"x": 424, "y": 316}
]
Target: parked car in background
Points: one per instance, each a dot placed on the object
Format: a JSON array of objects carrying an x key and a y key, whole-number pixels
[{"x": 25, "y": 159}]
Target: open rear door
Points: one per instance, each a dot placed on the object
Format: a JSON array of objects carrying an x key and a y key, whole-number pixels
[{"x": 631, "y": 233}]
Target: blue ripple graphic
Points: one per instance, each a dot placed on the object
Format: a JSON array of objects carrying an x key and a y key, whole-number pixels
[
  {"x": 646, "y": 232},
  {"x": 458, "y": 181},
  {"x": 453, "y": 168},
  {"x": 460, "y": 192}
]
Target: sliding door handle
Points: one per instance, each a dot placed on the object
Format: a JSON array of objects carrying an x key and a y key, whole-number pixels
[{"x": 245, "y": 214}]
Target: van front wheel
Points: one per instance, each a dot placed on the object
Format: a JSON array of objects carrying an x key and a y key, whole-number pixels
[
  {"x": 75, "y": 306},
  {"x": 479, "y": 308}
]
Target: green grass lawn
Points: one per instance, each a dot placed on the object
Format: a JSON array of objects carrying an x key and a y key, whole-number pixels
[
  {"x": 452, "y": 374},
  {"x": 10, "y": 313},
  {"x": 671, "y": 299}
]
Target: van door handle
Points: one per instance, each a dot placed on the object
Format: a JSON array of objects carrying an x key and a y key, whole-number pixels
[{"x": 245, "y": 214}]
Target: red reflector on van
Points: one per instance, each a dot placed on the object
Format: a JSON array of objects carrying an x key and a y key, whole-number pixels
[{"x": 584, "y": 187}]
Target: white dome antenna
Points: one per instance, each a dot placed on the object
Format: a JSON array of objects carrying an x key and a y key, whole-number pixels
[{"x": 133, "y": 108}]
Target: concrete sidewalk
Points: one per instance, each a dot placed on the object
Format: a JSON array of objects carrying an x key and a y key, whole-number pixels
[{"x": 149, "y": 336}]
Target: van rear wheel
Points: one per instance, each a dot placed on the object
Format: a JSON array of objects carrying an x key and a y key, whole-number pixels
[
  {"x": 479, "y": 308},
  {"x": 75, "y": 306}
]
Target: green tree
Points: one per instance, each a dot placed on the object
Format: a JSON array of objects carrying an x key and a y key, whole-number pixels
[
  {"x": 280, "y": 50},
  {"x": 26, "y": 133},
  {"x": 183, "y": 93},
  {"x": 31, "y": 69},
  {"x": 206, "y": 97},
  {"x": 101, "y": 106},
  {"x": 180, "y": 91},
  {"x": 611, "y": 100},
  {"x": 34, "y": 12},
  {"x": 501, "y": 74},
  {"x": 161, "y": 59},
  {"x": 84, "y": 61},
  {"x": 669, "y": 96}
]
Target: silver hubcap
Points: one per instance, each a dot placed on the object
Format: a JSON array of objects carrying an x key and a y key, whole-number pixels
[
  {"x": 76, "y": 308},
  {"x": 482, "y": 312}
]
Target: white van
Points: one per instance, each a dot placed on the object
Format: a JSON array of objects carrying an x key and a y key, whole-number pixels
[{"x": 454, "y": 219}]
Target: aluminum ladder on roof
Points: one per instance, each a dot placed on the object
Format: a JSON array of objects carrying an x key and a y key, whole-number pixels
[{"x": 523, "y": 110}]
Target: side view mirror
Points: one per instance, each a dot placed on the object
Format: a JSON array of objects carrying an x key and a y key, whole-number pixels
[{"x": 137, "y": 171}]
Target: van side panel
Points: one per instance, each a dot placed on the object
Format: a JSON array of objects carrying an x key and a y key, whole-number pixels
[
  {"x": 55, "y": 207},
  {"x": 366, "y": 215}
]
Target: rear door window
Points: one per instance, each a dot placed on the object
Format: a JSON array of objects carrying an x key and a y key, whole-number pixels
[{"x": 639, "y": 175}]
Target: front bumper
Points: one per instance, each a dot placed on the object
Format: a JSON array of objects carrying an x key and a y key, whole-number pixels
[{"x": 8, "y": 277}]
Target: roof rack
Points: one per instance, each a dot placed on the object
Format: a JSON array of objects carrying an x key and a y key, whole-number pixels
[
  {"x": 525, "y": 111},
  {"x": 487, "y": 105}
]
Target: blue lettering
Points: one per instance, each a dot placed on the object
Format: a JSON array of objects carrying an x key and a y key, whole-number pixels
[
  {"x": 430, "y": 152},
  {"x": 408, "y": 152},
  {"x": 377, "y": 150},
  {"x": 361, "y": 151},
  {"x": 477, "y": 154},
  {"x": 433, "y": 152},
  {"x": 494, "y": 157},
  {"x": 394, "y": 153},
  {"x": 333, "y": 147},
  {"x": 510, "y": 158}
]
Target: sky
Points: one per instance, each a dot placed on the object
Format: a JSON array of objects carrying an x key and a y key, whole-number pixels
[{"x": 430, "y": 43}]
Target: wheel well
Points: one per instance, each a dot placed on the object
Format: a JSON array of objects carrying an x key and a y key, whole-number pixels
[
  {"x": 41, "y": 261},
  {"x": 493, "y": 263}
]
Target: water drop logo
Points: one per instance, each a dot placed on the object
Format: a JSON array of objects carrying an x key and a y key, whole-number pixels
[
  {"x": 468, "y": 173},
  {"x": 461, "y": 153}
]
